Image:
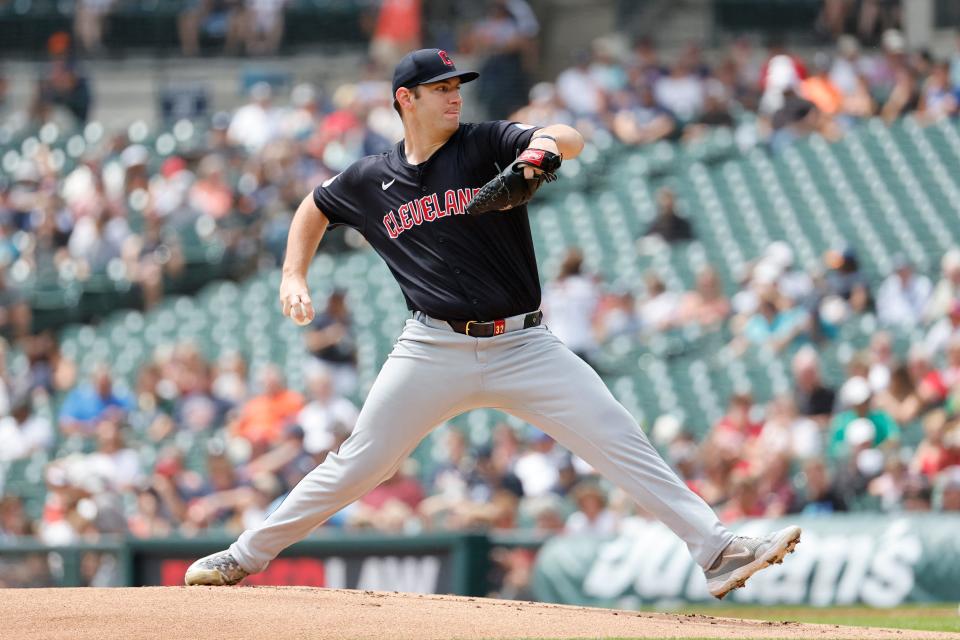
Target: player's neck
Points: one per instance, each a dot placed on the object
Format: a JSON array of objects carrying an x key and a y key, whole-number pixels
[{"x": 420, "y": 144}]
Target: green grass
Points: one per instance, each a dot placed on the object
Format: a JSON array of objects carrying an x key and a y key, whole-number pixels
[
  {"x": 919, "y": 617},
  {"x": 942, "y": 618}
]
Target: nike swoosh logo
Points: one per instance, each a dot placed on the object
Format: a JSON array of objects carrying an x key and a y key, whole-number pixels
[{"x": 386, "y": 185}]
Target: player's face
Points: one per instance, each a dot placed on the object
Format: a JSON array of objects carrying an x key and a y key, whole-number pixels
[{"x": 440, "y": 103}]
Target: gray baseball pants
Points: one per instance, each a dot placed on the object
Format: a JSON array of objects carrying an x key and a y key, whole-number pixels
[{"x": 434, "y": 374}]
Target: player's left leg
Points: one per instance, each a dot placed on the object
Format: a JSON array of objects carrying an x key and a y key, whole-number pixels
[{"x": 532, "y": 375}]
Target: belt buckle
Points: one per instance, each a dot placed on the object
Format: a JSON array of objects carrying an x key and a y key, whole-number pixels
[{"x": 466, "y": 329}]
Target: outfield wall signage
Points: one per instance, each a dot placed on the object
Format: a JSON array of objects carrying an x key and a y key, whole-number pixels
[
  {"x": 437, "y": 563},
  {"x": 881, "y": 561}
]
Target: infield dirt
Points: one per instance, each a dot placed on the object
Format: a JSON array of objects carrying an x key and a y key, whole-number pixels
[{"x": 277, "y": 613}]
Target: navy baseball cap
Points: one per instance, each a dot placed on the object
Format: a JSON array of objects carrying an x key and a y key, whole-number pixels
[{"x": 427, "y": 65}]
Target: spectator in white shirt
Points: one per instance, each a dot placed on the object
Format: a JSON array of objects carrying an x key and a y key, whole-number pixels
[
  {"x": 538, "y": 468},
  {"x": 580, "y": 91},
  {"x": 22, "y": 434},
  {"x": 592, "y": 516},
  {"x": 116, "y": 464},
  {"x": 948, "y": 287},
  {"x": 903, "y": 296},
  {"x": 570, "y": 303},
  {"x": 847, "y": 66},
  {"x": 681, "y": 92},
  {"x": 659, "y": 311},
  {"x": 255, "y": 123},
  {"x": 325, "y": 414},
  {"x": 945, "y": 328}
]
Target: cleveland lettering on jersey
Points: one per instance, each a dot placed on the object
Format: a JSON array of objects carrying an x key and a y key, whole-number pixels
[{"x": 427, "y": 209}]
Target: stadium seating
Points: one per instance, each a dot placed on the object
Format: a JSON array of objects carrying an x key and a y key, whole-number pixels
[{"x": 881, "y": 190}]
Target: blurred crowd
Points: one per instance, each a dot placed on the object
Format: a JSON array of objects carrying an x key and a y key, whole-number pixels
[
  {"x": 196, "y": 446},
  {"x": 774, "y": 95},
  {"x": 119, "y": 205},
  {"x": 122, "y": 207},
  {"x": 885, "y": 435}
]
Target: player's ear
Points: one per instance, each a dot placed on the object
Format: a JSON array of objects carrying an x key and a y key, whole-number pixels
[{"x": 404, "y": 97}]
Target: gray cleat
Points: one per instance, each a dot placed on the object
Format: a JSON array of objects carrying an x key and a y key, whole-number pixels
[
  {"x": 745, "y": 556},
  {"x": 218, "y": 569}
]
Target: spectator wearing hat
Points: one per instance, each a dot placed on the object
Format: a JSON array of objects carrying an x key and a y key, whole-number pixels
[
  {"x": 903, "y": 296},
  {"x": 592, "y": 516},
  {"x": 855, "y": 394}
]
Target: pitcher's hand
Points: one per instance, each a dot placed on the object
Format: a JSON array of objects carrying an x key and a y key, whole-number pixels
[{"x": 295, "y": 300}]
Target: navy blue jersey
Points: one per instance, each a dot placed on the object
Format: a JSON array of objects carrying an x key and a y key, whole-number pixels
[{"x": 450, "y": 265}]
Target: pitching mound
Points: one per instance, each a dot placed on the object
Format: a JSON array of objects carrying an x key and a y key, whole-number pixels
[{"x": 276, "y": 613}]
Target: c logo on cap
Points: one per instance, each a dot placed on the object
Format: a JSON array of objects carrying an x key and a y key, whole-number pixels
[{"x": 443, "y": 56}]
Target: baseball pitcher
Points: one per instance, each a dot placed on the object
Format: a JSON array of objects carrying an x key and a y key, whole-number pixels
[{"x": 445, "y": 209}]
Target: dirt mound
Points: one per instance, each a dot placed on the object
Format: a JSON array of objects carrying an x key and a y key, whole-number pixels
[{"x": 275, "y": 613}]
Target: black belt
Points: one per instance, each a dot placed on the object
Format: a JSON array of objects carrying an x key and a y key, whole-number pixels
[
  {"x": 491, "y": 328},
  {"x": 476, "y": 329}
]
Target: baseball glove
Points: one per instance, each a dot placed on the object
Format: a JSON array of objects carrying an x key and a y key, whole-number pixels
[{"x": 510, "y": 188}]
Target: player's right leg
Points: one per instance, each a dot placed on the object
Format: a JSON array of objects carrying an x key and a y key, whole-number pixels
[
  {"x": 538, "y": 379},
  {"x": 429, "y": 377}
]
